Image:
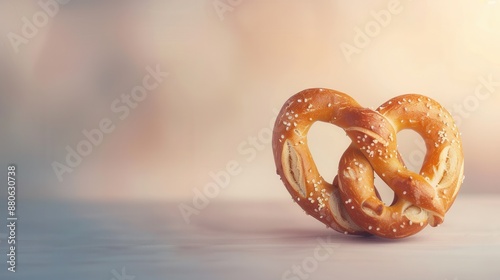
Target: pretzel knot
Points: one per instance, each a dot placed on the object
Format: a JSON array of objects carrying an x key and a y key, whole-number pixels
[{"x": 351, "y": 204}]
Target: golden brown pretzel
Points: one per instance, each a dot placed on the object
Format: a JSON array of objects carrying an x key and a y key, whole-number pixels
[{"x": 351, "y": 204}]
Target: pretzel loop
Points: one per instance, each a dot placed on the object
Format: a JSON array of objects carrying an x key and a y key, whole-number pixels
[{"x": 351, "y": 204}]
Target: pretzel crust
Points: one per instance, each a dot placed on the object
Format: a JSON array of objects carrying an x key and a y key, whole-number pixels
[{"x": 351, "y": 203}]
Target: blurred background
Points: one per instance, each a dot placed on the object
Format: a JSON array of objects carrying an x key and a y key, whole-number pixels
[
  {"x": 223, "y": 69},
  {"x": 126, "y": 119}
]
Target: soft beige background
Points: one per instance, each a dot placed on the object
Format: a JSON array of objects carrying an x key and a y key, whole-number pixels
[{"x": 228, "y": 74}]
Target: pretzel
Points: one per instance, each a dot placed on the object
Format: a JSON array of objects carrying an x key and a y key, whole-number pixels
[{"x": 351, "y": 204}]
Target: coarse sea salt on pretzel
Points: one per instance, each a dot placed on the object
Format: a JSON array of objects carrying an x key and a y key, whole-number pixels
[{"x": 351, "y": 203}]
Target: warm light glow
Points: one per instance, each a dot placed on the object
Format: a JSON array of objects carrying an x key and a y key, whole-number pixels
[{"x": 209, "y": 120}]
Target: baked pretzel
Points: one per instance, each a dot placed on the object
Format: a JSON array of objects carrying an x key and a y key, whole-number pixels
[{"x": 351, "y": 204}]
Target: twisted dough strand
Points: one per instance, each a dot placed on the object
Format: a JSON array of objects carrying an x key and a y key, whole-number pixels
[{"x": 351, "y": 203}]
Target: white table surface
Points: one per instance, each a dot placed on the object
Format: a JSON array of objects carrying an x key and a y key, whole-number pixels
[{"x": 244, "y": 240}]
